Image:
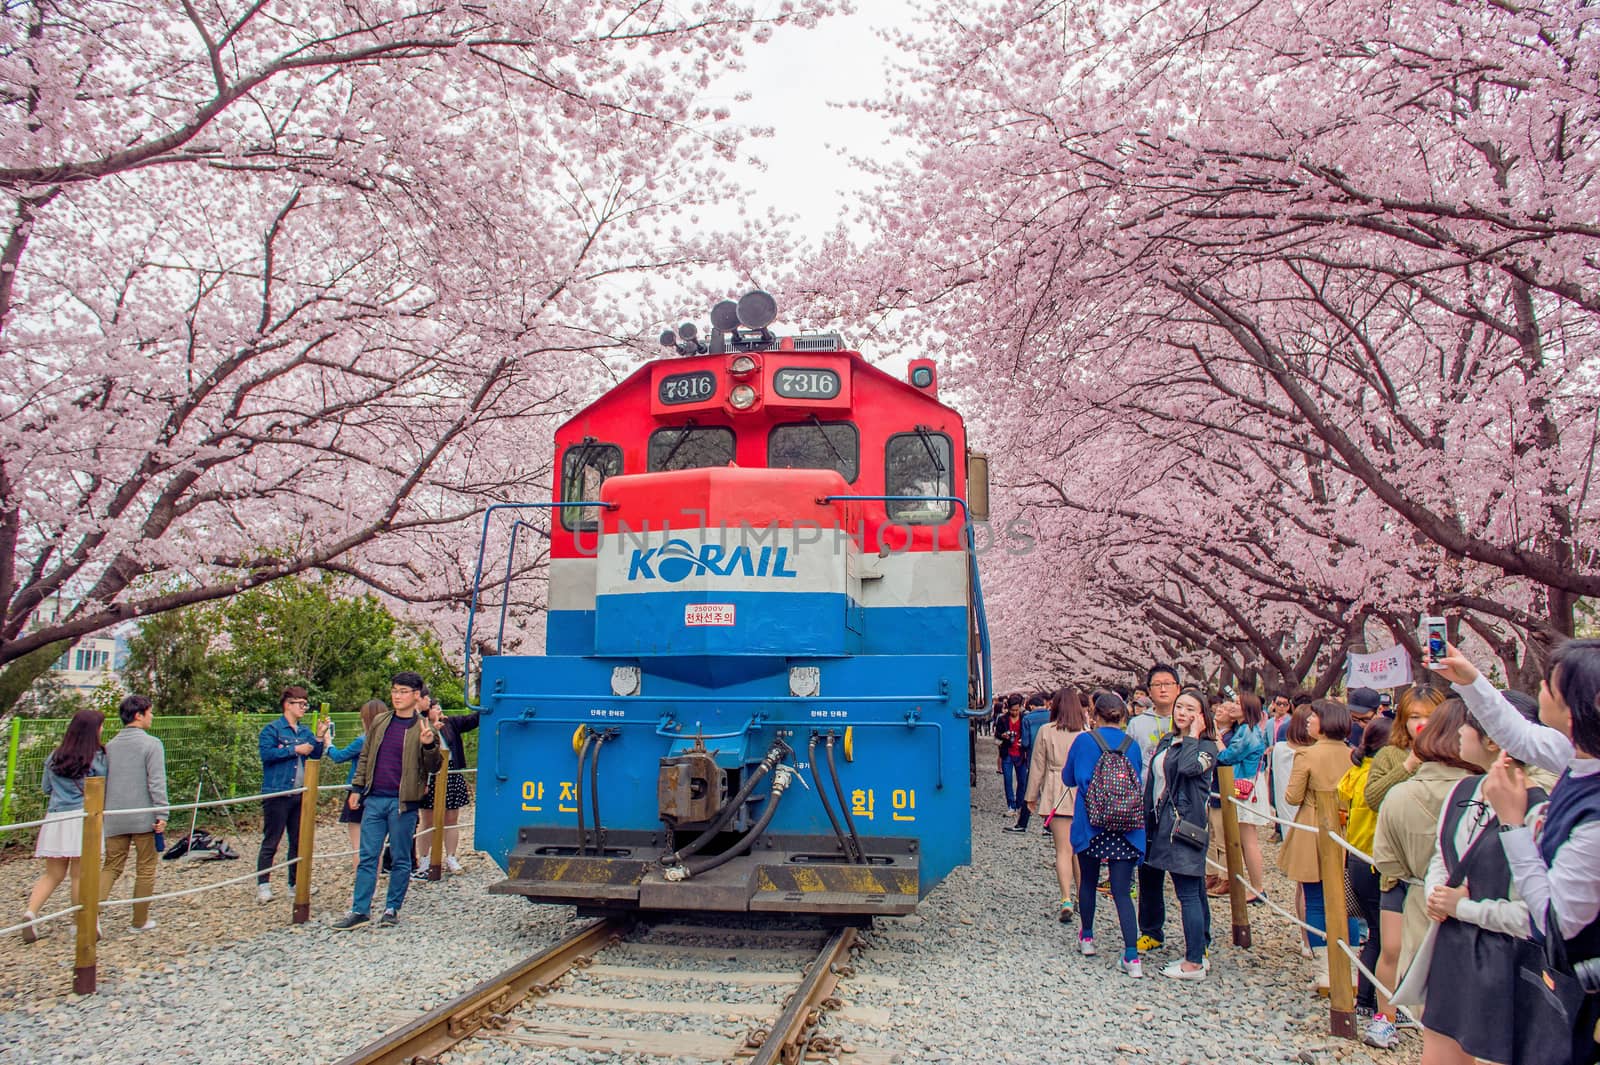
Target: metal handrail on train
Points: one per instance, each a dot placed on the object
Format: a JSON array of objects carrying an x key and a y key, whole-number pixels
[
  {"x": 972, "y": 573},
  {"x": 477, "y": 578}
]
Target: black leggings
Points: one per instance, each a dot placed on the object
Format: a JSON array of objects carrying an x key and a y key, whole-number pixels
[
  {"x": 1121, "y": 874},
  {"x": 1364, "y": 883}
]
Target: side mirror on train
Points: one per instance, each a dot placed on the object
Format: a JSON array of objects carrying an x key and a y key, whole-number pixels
[{"x": 978, "y": 485}]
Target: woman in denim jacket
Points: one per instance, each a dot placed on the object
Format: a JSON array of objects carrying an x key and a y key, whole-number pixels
[
  {"x": 80, "y": 755},
  {"x": 1245, "y": 749}
]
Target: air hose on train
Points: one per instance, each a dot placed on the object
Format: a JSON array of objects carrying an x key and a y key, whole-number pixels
[
  {"x": 844, "y": 808},
  {"x": 589, "y": 739},
  {"x": 593, "y": 740},
  {"x": 778, "y": 753},
  {"x": 850, "y": 851},
  {"x": 781, "y": 778}
]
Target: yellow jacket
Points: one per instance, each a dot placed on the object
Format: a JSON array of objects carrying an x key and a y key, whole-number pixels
[{"x": 1363, "y": 823}]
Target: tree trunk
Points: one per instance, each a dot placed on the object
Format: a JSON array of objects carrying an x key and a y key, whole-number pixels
[{"x": 20, "y": 673}]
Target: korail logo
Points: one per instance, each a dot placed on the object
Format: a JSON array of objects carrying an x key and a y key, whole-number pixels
[{"x": 677, "y": 560}]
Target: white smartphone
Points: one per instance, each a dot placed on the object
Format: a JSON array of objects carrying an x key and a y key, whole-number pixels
[{"x": 1433, "y": 638}]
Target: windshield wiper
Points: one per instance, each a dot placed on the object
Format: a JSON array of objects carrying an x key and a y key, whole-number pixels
[
  {"x": 666, "y": 461},
  {"x": 575, "y": 480},
  {"x": 927, "y": 442},
  {"x": 826, "y": 439}
]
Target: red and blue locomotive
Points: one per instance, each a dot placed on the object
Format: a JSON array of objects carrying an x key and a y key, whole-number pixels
[{"x": 764, "y": 638}]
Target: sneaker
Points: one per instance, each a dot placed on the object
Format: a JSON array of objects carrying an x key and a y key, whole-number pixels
[
  {"x": 263, "y": 892},
  {"x": 1086, "y": 946},
  {"x": 1013, "y": 828},
  {"x": 389, "y": 919},
  {"x": 1065, "y": 916},
  {"x": 1381, "y": 1033},
  {"x": 451, "y": 864},
  {"x": 30, "y": 934},
  {"x": 1176, "y": 971},
  {"x": 148, "y": 926},
  {"x": 420, "y": 873},
  {"x": 1132, "y": 966},
  {"x": 351, "y": 920},
  {"x": 1148, "y": 943}
]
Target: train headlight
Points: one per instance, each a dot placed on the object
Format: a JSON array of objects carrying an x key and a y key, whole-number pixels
[
  {"x": 742, "y": 366},
  {"x": 743, "y": 397},
  {"x": 804, "y": 681}
]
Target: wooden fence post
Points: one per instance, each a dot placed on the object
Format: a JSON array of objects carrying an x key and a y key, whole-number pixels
[
  {"x": 94, "y": 809},
  {"x": 1341, "y": 993},
  {"x": 436, "y": 844},
  {"x": 308, "y": 842},
  {"x": 1238, "y": 904}
]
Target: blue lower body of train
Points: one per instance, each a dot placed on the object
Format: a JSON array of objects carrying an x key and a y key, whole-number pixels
[{"x": 707, "y": 786}]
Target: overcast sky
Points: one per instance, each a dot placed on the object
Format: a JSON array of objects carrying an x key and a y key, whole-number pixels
[{"x": 797, "y": 84}]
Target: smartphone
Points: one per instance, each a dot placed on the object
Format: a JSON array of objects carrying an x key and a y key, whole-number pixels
[
  {"x": 1228, "y": 692},
  {"x": 1433, "y": 640}
]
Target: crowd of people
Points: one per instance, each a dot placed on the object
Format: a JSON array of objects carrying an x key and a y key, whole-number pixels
[
  {"x": 1475, "y": 812},
  {"x": 391, "y": 783}
]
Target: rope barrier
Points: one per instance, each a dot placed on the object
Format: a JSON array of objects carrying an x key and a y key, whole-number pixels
[
  {"x": 72, "y": 815},
  {"x": 1368, "y": 973},
  {"x": 1286, "y": 915},
  {"x": 1272, "y": 817},
  {"x": 119, "y": 811},
  {"x": 78, "y": 815},
  {"x": 251, "y": 875},
  {"x": 37, "y": 921}
]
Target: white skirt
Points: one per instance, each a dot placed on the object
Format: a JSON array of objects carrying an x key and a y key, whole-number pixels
[{"x": 61, "y": 836}]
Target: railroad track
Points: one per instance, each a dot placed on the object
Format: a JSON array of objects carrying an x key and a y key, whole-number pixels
[{"x": 567, "y": 997}]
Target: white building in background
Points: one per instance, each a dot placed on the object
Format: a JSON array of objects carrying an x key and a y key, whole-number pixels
[{"x": 90, "y": 662}]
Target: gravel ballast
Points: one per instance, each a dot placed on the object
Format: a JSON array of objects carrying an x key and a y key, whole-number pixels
[{"x": 983, "y": 972}]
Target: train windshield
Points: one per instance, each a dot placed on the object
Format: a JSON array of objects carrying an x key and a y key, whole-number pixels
[
  {"x": 918, "y": 464},
  {"x": 816, "y": 445},
  {"x": 690, "y": 447},
  {"x": 584, "y": 469}
]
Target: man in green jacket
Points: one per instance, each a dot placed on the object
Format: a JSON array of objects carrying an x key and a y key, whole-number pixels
[{"x": 390, "y": 786}]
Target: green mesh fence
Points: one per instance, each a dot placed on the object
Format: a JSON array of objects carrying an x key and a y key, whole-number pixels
[{"x": 217, "y": 752}]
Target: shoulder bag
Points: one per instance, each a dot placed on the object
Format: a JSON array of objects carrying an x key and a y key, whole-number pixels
[
  {"x": 1186, "y": 832},
  {"x": 1549, "y": 1000}
]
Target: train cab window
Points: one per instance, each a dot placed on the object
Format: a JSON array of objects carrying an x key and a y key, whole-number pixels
[
  {"x": 816, "y": 445},
  {"x": 584, "y": 468},
  {"x": 918, "y": 464},
  {"x": 690, "y": 447}
]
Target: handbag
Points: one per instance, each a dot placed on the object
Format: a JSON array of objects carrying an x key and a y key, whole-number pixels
[
  {"x": 1244, "y": 790},
  {"x": 1191, "y": 834},
  {"x": 1549, "y": 1000}
]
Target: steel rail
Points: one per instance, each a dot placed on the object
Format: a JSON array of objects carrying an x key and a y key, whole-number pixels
[
  {"x": 485, "y": 1005},
  {"x": 784, "y": 1042}
]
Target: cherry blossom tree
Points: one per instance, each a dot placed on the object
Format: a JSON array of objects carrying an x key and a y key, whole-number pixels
[
  {"x": 1304, "y": 294},
  {"x": 289, "y": 286}
]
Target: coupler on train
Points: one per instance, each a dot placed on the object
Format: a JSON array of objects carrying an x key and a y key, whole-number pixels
[{"x": 713, "y": 850}]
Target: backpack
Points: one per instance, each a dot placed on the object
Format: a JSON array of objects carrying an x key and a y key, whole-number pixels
[{"x": 1113, "y": 798}]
